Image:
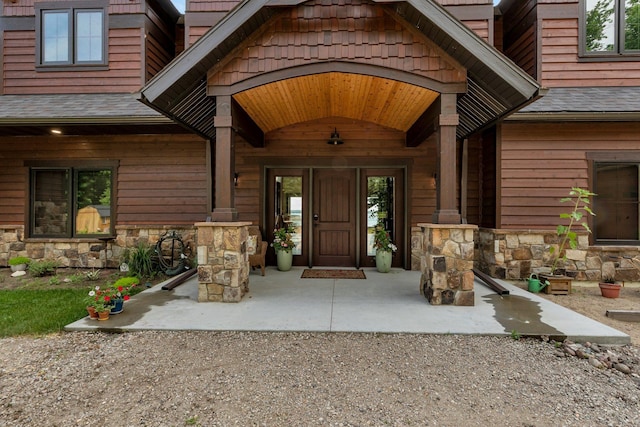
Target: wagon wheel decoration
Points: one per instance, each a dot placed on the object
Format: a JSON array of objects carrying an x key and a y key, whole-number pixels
[{"x": 171, "y": 253}]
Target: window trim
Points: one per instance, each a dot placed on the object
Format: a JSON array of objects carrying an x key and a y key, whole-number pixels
[
  {"x": 72, "y": 8},
  {"x": 619, "y": 54},
  {"x": 73, "y": 167}
]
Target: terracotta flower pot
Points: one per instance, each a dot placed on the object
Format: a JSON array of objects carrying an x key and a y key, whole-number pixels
[
  {"x": 92, "y": 312},
  {"x": 103, "y": 315},
  {"x": 610, "y": 290}
]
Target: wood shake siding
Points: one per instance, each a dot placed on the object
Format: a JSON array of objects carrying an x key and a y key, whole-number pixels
[
  {"x": 161, "y": 179},
  {"x": 364, "y": 33},
  {"x": 540, "y": 162}
]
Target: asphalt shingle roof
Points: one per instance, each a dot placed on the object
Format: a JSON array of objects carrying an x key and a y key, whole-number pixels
[
  {"x": 73, "y": 106},
  {"x": 587, "y": 100}
]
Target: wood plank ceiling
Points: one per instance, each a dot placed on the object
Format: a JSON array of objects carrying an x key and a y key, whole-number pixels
[{"x": 386, "y": 102}]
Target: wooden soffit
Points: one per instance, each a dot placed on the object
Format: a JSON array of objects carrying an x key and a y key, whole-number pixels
[{"x": 390, "y": 103}]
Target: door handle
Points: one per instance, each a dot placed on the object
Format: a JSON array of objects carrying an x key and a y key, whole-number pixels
[{"x": 316, "y": 217}]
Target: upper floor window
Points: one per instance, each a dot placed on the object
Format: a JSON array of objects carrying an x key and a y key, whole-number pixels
[
  {"x": 610, "y": 27},
  {"x": 71, "y": 34}
]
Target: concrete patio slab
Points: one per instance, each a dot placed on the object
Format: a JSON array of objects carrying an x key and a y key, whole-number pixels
[{"x": 385, "y": 303}]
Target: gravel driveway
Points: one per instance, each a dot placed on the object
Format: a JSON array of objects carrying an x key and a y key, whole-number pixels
[{"x": 277, "y": 379}]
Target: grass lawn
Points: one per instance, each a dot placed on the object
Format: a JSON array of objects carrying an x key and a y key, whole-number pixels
[{"x": 36, "y": 312}]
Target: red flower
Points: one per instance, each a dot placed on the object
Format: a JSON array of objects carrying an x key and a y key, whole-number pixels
[
  {"x": 120, "y": 289},
  {"x": 126, "y": 297},
  {"x": 107, "y": 298}
]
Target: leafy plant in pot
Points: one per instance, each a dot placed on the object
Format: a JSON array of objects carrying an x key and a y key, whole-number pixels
[
  {"x": 579, "y": 198},
  {"x": 19, "y": 263},
  {"x": 609, "y": 288},
  {"x": 283, "y": 245}
]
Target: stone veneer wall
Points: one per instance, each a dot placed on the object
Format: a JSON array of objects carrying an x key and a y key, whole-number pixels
[
  {"x": 515, "y": 254},
  {"x": 85, "y": 253},
  {"x": 223, "y": 261},
  {"x": 447, "y": 261}
]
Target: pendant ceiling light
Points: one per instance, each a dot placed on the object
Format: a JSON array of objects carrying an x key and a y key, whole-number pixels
[{"x": 335, "y": 138}]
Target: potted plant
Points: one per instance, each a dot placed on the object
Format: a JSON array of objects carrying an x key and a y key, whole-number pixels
[
  {"x": 121, "y": 292},
  {"x": 579, "y": 198},
  {"x": 283, "y": 245},
  {"x": 19, "y": 263},
  {"x": 384, "y": 249},
  {"x": 609, "y": 288},
  {"x": 99, "y": 301}
]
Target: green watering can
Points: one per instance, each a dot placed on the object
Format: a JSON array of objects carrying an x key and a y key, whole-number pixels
[{"x": 535, "y": 285}]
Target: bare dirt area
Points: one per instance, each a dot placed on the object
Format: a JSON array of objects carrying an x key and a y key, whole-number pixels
[
  {"x": 65, "y": 278},
  {"x": 586, "y": 299}
]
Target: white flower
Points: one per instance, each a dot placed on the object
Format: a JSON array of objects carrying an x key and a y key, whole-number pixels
[{"x": 92, "y": 294}]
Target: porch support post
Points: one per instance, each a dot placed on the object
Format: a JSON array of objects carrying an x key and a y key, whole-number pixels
[
  {"x": 446, "y": 262},
  {"x": 446, "y": 209},
  {"x": 223, "y": 261},
  {"x": 224, "y": 210}
]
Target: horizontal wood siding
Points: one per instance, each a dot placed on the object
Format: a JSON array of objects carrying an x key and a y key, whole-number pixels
[
  {"x": 462, "y": 2},
  {"x": 480, "y": 27},
  {"x": 194, "y": 33},
  {"x": 541, "y": 162},
  {"x": 560, "y": 65},
  {"x": 159, "y": 44},
  {"x": 305, "y": 144},
  {"x": 210, "y": 5},
  {"x": 519, "y": 23},
  {"x": 161, "y": 179},
  {"x": 124, "y": 73}
]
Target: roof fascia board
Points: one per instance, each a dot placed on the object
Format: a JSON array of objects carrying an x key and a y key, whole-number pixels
[
  {"x": 85, "y": 120},
  {"x": 484, "y": 53},
  {"x": 192, "y": 57}
]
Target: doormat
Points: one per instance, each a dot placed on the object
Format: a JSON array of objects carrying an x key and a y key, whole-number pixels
[{"x": 332, "y": 274}]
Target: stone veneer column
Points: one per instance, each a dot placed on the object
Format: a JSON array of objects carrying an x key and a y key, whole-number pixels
[
  {"x": 447, "y": 264},
  {"x": 223, "y": 262}
]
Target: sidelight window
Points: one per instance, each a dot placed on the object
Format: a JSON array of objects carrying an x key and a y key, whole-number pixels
[
  {"x": 380, "y": 208},
  {"x": 288, "y": 204}
]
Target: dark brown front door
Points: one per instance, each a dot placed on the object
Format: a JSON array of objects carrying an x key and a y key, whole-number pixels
[{"x": 334, "y": 217}]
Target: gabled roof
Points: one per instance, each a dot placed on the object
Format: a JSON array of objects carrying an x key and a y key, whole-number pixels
[
  {"x": 584, "y": 103},
  {"x": 496, "y": 86}
]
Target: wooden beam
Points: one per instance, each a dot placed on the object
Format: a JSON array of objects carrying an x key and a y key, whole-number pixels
[
  {"x": 425, "y": 126},
  {"x": 624, "y": 315},
  {"x": 446, "y": 210},
  {"x": 244, "y": 126},
  {"x": 224, "y": 210}
]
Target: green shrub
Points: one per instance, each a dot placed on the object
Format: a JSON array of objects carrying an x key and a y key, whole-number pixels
[
  {"x": 43, "y": 268},
  {"x": 141, "y": 261},
  {"x": 126, "y": 282}
]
